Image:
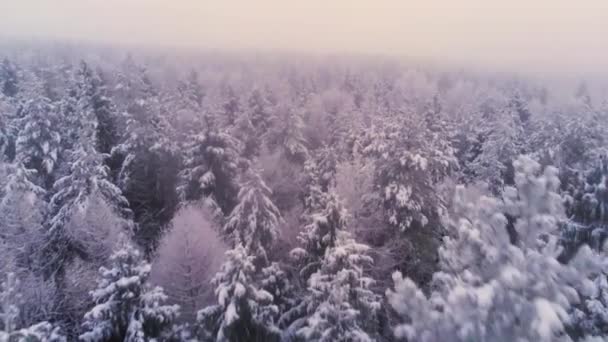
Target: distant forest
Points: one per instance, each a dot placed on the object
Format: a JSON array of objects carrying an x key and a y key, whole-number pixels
[{"x": 182, "y": 196}]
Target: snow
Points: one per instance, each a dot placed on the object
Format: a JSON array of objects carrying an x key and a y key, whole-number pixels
[{"x": 547, "y": 320}]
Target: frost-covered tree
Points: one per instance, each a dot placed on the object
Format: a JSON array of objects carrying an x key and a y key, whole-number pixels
[
  {"x": 345, "y": 307},
  {"x": 145, "y": 157},
  {"x": 38, "y": 142},
  {"x": 88, "y": 178},
  {"x": 9, "y": 312},
  {"x": 588, "y": 203},
  {"x": 254, "y": 221},
  {"x": 126, "y": 308},
  {"x": 253, "y": 123},
  {"x": 231, "y": 105},
  {"x": 189, "y": 104},
  {"x": 321, "y": 233},
  {"x": 492, "y": 286},
  {"x": 244, "y": 312},
  {"x": 286, "y": 133},
  {"x": 94, "y": 87},
  {"x": 9, "y": 78},
  {"x": 22, "y": 209},
  {"x": 504, "y": 138},
  {"x": 590, "y": 317},
  {"x": 410, "y": 161},
  {"x": 8, "y": 130},
  {"x": 319, "y": 175},
  {"x": 210, "y": 171},
  {"x": 190, "y": 253}
]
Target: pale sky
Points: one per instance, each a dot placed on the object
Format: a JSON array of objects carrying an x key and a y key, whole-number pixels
[{"x": 543, "y": 34}]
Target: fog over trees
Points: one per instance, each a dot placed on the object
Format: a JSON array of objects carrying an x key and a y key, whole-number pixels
[{"x": 154, "y": 195}]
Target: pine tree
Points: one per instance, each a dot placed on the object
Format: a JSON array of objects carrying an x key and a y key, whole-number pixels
[
  {"x": 410, "y": 162},
  {"x": 244, "y": 312},
  {"x": 126, "y": 308},
  {"x": 148, "y": 162},
  {"x": 7, "y": 138},
  {"x": 254, "y": 221},
  {"x": 9, "y": 79},
  {"x": 321, "y": 233},
  {"x": 94, "y": 87},
  {"x": 22, "y": 210},
  {"x": 231, "y": 106},
  {"x": 318, "y": 236},
  {"x": 345, "y": 307},
  {"x": 286, "y": 134},
  {"x": 9, "y": 311},
  {"x": 210, "y": 171},
  {"x": 38, "y": 143},
  {"x": 253, "y": 123},
  {"x": 189, "y": 104},
  {"x": 88, "y": 177},
  {"x": 492, "y": 286},
  {"x": 590, "y": 317},
  {"x": 504, "y": 138}
]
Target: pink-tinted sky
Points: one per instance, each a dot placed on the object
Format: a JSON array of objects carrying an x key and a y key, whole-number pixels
[{"x": 539, "y": 34}]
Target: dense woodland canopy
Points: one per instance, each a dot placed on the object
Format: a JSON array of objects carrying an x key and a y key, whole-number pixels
[{"x": 155, "y": 196}]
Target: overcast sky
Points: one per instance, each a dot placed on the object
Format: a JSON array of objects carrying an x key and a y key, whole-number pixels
[{"x": 544, "y": 34}]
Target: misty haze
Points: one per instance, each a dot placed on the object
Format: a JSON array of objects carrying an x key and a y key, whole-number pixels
[{"x": 281, "y": 171}]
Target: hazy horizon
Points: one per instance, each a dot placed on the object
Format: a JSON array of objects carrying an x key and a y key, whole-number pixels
[{"x": 542, "y": 36}]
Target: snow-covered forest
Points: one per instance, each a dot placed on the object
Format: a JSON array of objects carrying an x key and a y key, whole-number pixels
[{"x": 206, "y": 196}]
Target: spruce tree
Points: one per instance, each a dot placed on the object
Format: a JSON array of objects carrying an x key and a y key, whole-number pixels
[
  {"x": 494, "y": 287},
  {"x": 244, "y": 312},
  {"x": 87, "y": 177},
  {"x": 9, "y": 78},
  {"x": 38, "y": 144},
  {"x": 410, "y": 161},
  {"x": 126, "y": 307},
  {"x": 9, "y": 312},
  {"x": 210, "y": 171},
  {"x": 254, "y": 221},
  {"x": 345, "y": 307},
  {"x": 22, "y": 209}
]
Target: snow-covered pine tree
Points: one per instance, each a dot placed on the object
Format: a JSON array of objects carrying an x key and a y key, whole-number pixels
[
  {"x": 319, "y": 175},
  {"x": 188, "y": 104},
  {"x": 87, "y": 177},
  {"x": 7, "y": 138},
  {"x": 9, "y": 312},
  {"x": 253, "y": 223},
  {"x": 258, "y": 107},
  {"x": 210, "y": 170},
  {"x": 244, "y": 312},
  {"x": 590, "y": 317},
  {"x": 321, "y": 233},
  {"x": 275, "y": 280},
  {"x": 22, "y": 211},
  {"x": 286, "y": 133},
  {"x": 126, "y": 307},
  {"x": 191, "y": 91},
  {"x": 148, "y": 164},
  {"x": 345, "y": 307},
  {"x": 93, "y": 85},
  {"x": 490, "y": 288},
  {"x": 504, "y": 138},
  {"x": 38, "y": 143},
  {"x": 410, "y": 161},
  {"x": 253, "y": 123},
  {"x": 231, "y": 105},
  {"x": 318, "y": 236},
  {"x": 9, "y": 78}
]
